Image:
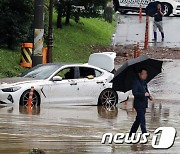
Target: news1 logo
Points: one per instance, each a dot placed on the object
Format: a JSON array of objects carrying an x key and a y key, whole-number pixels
[{"x": 163, "y": 138}]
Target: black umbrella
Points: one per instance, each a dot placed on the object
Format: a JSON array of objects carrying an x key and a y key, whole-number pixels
[
  {"x": 151, "y": 9},
  {"x": 127, "y": 73}
]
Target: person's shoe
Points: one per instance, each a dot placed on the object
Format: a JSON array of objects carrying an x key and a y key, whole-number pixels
[
  {"x": 162, "y": 40},
  {"x": 155, "y": 40}
]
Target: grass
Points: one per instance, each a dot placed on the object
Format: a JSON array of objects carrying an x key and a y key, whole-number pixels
[
  {"x": 9, "y": 63},
  {"x": 71, "y": 44}
]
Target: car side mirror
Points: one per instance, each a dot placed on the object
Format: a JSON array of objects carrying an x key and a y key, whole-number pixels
[
  {"x": 57, "y": 78},
  {"x": 90, "y": 77}
]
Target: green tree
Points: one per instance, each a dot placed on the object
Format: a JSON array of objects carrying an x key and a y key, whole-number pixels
[
  {"x": 16, "y": 21},
  {"x": 16, "y": 18},
  {"x": 78, "y": 8}
]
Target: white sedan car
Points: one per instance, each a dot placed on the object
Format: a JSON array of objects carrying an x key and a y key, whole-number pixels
[{"x": 62, "y": 83}]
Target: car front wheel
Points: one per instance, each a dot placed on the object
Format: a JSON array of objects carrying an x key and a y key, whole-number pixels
[
  {"x": 25, "y": 96},
  {"x": 108, "y": 98}
]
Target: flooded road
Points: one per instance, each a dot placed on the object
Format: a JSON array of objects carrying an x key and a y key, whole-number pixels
[
  {"x": 166, "y": 85},
  {"x": 130, "y": 31},
  {"x": 79, "y": 129}
]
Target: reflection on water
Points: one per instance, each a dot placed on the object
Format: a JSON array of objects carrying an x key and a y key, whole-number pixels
[
  {"x": 107, "y": 113},
  {"x": 35, "y": 110},
  {"x": 79, "y": 129},
  {"x": 36, "y": 151},
  {"x": 140, "y": 147},
  {"x": 10, "y": 110}
]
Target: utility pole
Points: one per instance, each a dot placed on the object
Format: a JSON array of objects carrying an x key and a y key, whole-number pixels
[
  {"x": 50, "y": 32},
  {"x": 38, "y": 31}
]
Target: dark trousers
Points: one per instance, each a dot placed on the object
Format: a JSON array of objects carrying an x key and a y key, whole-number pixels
[{"x": 140, "y": 120}]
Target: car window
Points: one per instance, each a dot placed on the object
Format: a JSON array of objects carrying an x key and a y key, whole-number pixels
[
  {"x": 40, "y": 71},
  {"x": 85, "y": 72},
  {"x": 98, "y": 73},
  {"x": 67, "y": 73}
]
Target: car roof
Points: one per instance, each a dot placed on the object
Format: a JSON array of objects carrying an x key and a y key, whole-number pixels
[
  {"x": 60, "y": 64},
  {"x": 71, "y": 65},
  {"x": 67, "y": 64}
]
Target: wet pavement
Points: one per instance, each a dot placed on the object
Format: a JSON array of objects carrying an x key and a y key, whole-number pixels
[
  {"x": 166, "y": 85},
  {"x": 130, "y": 31},
  {"x": 79, "y": 129}
]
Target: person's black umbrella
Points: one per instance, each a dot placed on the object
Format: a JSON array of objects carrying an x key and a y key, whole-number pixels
[
  {"x": 127, "y": 73},
  {"x": 151, "y": 9}
]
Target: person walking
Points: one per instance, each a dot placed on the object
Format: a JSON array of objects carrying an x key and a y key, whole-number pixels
[
  {"x": 158, "y": 16},
  {"x": 141, "y": 96}
]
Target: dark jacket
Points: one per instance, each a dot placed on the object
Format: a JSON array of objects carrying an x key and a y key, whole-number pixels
[
  {"x": 139, "y": 88},
  {"x": 158, "y": 16}
]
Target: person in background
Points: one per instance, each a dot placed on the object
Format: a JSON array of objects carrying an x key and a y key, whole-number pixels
[
  {"x": 158, "y": 16},
  {"x": 141, "y": 96}
]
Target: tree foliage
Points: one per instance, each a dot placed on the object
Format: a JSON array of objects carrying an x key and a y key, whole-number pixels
[
  {"x": 78, "y": 8},
  {"x": 16, "y": 21},
  {"x": 16, "y": 18}
]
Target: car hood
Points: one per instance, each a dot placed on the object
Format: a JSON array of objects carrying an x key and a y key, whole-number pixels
[
  {"x": 104, "y": 60},
  {"x": 15, "y": 81}
]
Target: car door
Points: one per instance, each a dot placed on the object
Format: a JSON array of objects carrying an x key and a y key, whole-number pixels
[
  {"x": 90, "y": 84},
  {"x": 65, "y": 91}
]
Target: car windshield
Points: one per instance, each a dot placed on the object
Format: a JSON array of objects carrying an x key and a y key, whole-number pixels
[{"x": 40, "y": 71}]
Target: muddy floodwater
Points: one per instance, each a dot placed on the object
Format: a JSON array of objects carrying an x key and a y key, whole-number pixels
[{"x": 79, "y": 129}]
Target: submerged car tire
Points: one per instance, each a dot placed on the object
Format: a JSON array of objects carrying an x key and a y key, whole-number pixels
[
  {"x": 25, "y": 96},
  {"x": 35, "y": 110},
  {"x": 108, "y": 98},
  {"x": 167, "y": 9}
]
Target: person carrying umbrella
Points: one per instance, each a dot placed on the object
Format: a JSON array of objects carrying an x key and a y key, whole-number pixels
[
  {"x": 141, "y": 96},
  {"x": 158, "y": 16},
  {"x": 134, "y": 75}
]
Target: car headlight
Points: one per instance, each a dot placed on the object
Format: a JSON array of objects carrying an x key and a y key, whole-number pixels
[{"x": 11, "y": 89}]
